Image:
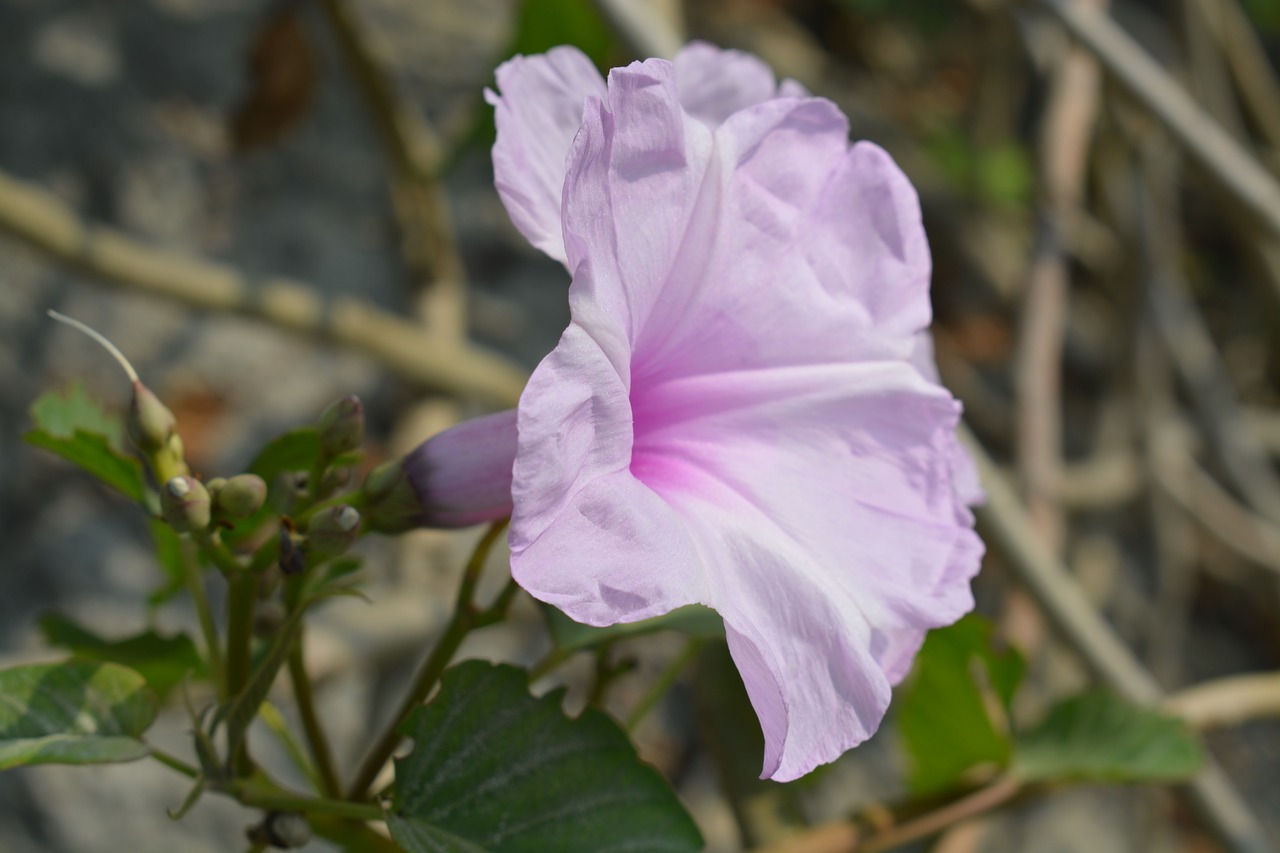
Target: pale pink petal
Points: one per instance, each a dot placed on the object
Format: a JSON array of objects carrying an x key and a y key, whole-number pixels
[
  {"x": 731, "y": 418},
  {"x": 714, "y": 84},
  {"x": 462, "y": 476},
  {"x": 849, "y": 460},
  {"x": 830, "y": 242},
  {"x": 968, "y": 486},
  {"x": 537, "y": 114}
]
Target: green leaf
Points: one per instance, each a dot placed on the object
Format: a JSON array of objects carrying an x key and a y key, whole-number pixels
[
  {"x": 1099, "y": 737},
  {"x": 61, "y": 414},
  {"x": 163, "y": 661},
  {"x": 945, "y": 707},
  {"x": 77, "y": 712},
  {"x": 94, "y": 454},
  {"x": 496, "y": 771},
  {"x": 544, "y": 24},
  {"x": 694, "y": 620},
  {"x": 295, "y": 450}
]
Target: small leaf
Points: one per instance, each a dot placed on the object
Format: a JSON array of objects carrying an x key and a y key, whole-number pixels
[
  {"x": 495, "y": 770},
  {"x": 163, "y": 661},
  {"x": 295, "y": 450},
  {"x": 77, "y": 712},
  {"x": 94, "y": 454},
  {"x": 60, "y": 414},
  {"x": 1099, "y": 737},
  {"x": 945, "y": 707},
  {"x": 694, "y": 620}
]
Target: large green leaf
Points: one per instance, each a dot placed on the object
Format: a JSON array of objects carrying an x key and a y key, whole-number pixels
[
  {"x": 77, "y": 712},
  {"x": 1099, "y": 737},
  {"x": 944, "y": 708},
  {"x": 163, "y": 661},
  {"x": 570, "y": 636},
  {"x": 494, "y": 770}
]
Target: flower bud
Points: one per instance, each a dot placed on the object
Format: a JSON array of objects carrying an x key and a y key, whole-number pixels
[
  {"x": 184, "y": 503},
  {"x": 392, "y": 504},
  {"x": 463, "y": 475},
  {"x": 213, "y": 487},
  {"x": 282, "y": 830},
  {"x": 150, "y": 423},
  {"x": 332, "y": 531},
  {"x": 341, "y": 427},
  {"x": 287, "y": 830},
  {"x": 290, "y": 558},
  {"x": 241, "y": 496}
]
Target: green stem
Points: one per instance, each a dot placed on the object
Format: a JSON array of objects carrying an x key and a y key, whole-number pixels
[
  {"x": 241, "y": 600},
  {"x": 242, "y": 595},
  {"x": 356, "y": 500},
  {"x": 279, "y": 800},
  {"x": 274, "y": 720},
  {"x": 303, "y": 694},
  {"x": 173, "y": 762},
  {"x": 661, "y": 685},
  {"x": 554, "y": 658},
  {"x": 219, "y": 554},
  {"x": 465, "y": 619},
  {"x": 208, "y": 628}
]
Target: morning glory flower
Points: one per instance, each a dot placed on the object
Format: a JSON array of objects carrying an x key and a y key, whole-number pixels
[{"x": 742, "y": 412}]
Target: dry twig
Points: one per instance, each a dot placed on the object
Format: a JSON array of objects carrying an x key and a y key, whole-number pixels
[
  {"x": 1224, "y": 158},
  {"x": 39, "y": 219}
]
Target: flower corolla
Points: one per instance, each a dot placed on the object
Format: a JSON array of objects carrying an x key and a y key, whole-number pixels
[{"x": 743, "y": 412}]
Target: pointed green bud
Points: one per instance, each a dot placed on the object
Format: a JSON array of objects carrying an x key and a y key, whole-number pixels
[
  {"x": 383, "y": 479},
  {"x": 150, "y": 423},
  {"x": 184, "y": 501},
  {"x": 341, "y": 427},
  {"x": 392, "y": 503},
  {"x": 332, "y": 531},
  {"x": 242, "y": 496}
]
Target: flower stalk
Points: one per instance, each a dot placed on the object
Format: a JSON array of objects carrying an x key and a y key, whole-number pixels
[{"x": 466, "y": 618}]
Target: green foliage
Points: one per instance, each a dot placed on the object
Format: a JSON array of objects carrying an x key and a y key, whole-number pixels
[
  {"x": 61, "y": 414},
  {"x": 77, "y": 712},
  {"x": 570, "y": 636},
  {"x": 1099, "y": 737},
  {"x": 998, "y": 175},
  {"x": 162, "y": 661},
  {"x": 296, "y": 450},
  {"x": 78, "y": 429},
  {"x": 169, "y": 554},
  {"x": 494, "y": 769},
  {"x": 952, "y": 710},
  {"x": 544, "y": 24},
  {"x": 1265, "y": 14}
]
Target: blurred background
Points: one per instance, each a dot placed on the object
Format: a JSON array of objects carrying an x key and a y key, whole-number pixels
[{"x": 270, "y": 205}]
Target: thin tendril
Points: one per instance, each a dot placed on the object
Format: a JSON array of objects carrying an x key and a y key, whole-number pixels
[{"x": 110, "y": 347}]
